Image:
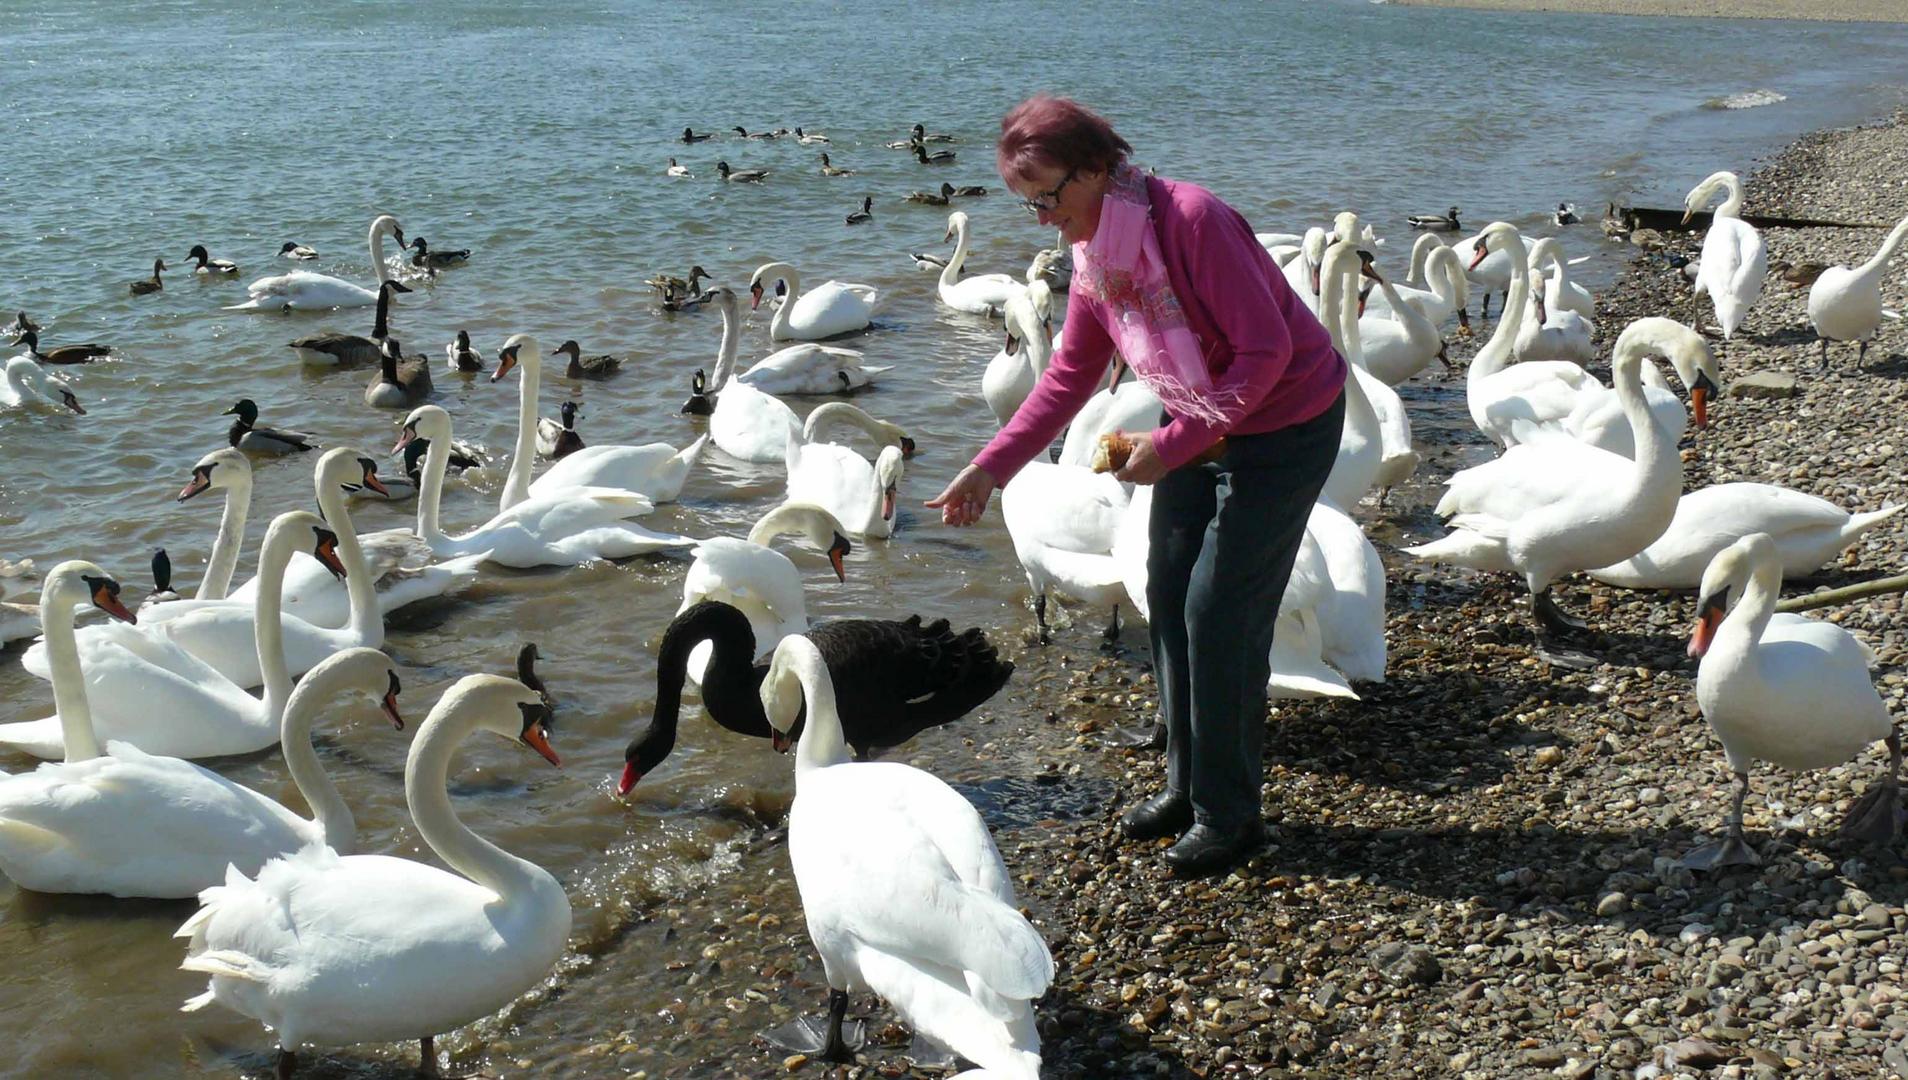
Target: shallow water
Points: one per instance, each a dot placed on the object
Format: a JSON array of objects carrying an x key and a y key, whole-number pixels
[{"x": 538, "y": 140}]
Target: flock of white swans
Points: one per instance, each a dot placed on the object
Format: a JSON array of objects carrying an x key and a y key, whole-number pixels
[{"x": 329, "y": 947}]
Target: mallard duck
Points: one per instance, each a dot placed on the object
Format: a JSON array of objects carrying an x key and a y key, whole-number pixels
[
  {"x": 209, "y": 265},
  {"x": 689, "y": 135},
  {"x": 747, "y": 134},
  {"x": 740, "y": 176},
  {"x": 830, "y": 169},
  {"x": 970, "y": 191},
  {"x": 675, "y": 169},
  {"x": 558, "y": 441},
  {"x": 932, "y": 198},
  {"x": 809, "y": 138},
  {"x": 426, "y": 259},
  {"x": 587, "y": 367},
  {"x": 151, "y": 284},
  {"x": 295, "y": 250},
  {"x": 938, "y": 157},
  {"x": 402, "y": 381},
  {"x": 1446, "y": 222},
  {"x": 920, "y": 134},
  {"x": 65, "y": 354},
  {"x": 247, "y": 435},
  {"x": 161, "y": 581},
  {"x": 866, "y": 213},
  {"x": 461, "y": 356},
  {"x": 1566, "y": 215}
]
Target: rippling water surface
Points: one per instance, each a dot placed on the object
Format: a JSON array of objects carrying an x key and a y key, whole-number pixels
[{"x": 537, "y": 137}]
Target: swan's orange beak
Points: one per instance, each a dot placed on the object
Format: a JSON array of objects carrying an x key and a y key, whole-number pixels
[
  {"x": 201, "y": 481},
  {"x": 106, "y": 599},
  {"x": 1699, "y": 397},
  {"x": 755, "y": 296},
  {"x": 887, "y": 504},
  {"x": 536, "y": 739},
  {"x": 1707, "y": 620},
  {"x": 326, "y": 552},
  {"x": 1012, "y": 346},
  {"x": 506, "y": 360},
  {"x": 1478, "y": 255},
  {"x": 836, "y": 551},
  {"x": 371, "y": 481}
]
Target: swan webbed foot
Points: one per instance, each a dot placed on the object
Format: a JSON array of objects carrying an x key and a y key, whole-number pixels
[
  {"x": 832, "y": 1039},
  {"x": 925, "y": 1053},
  {"x": 1877, "y": 817},
  {"x": 1733, "y": 850},
  {"x": 1551, "y": 617}
]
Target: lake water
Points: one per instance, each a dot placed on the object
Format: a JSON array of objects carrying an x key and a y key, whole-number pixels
[{"x": 537, "y": 136}]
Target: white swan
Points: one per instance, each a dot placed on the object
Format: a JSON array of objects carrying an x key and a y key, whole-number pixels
[
  {"x": 1361, "y": 444},
  {"x": 1596, "y": 414},
  {"x": 1551, "y": 334},
  {"x": 1403, "y": 340},
  {"x": 860, "y": 495},
  {"x": 1497, "y": 392},
  {"x": 982, "y": 294},
  {"x": 654, "y": 470},
  {"x": 744, "y": 423},
  {"x": 809, "y": 368},
  {"x": 1544, "y": 510},
  {"x": 1561, "y": 293},
  {"x": 27, "y": 385},
  {"x": 1846, "y": 304},
  {"x": 1734, "y": 260},
  {"x": 570, "y": 527},
  {"x": 1492, "y": 270},
  {"x": 760, "y": 582},
  {"x": 330, "y": 950},
  {"x": 904, "y": 893},
  {"x": 128, "y": 823},
  {"x": 302, "y": 290},
  {"x": 1351, "y": 615},
  {"x": 1807, "y": 532},
  {"x": 149, "y": 691},
  {"x": 1780, "y": 688},
  {"x": 229, "y": 471},
  {"x": 1011, "y": 374},
  {"x": 1302, "y": 271},
  {"x": 828, "y": 310},
  {"x": 1064, "y": 521}
]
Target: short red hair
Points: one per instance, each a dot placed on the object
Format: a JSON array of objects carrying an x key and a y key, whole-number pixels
[{"x": 1056, "y": 131}]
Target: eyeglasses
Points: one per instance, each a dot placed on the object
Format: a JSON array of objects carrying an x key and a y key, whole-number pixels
[{"x": 1048, "y": 200}]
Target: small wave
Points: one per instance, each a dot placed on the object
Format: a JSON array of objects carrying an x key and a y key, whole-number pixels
[{"x": 1748, "y": 99}]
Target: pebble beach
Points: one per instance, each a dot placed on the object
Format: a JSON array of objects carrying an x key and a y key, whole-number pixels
[{"x": 1474, "y": 871}]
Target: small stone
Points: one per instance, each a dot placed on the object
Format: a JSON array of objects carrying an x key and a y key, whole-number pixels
[
  {"x": 1547, "y": 757},
  {"x": 794, "y": 1062},
  {"x": 1404, "y": 964},
  {"x": 1615, "y": 903},
  {"x": 1696, "y": 1052},
  {"x": 1545, "y": 1057},
  {"x": 1763, "y": 384}
]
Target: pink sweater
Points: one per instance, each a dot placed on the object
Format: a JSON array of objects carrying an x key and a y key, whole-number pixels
[{"x": 1257, "y": 336}]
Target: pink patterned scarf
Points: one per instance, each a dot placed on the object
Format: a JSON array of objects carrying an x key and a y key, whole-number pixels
[{"x": 1121, "y": 266}]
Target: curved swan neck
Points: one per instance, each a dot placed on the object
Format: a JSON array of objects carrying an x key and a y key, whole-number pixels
[
  {"x": 951, "y": 273},
  {"x": 367, "y": 622},
  {"x": 778, "y": 326},
  {"x": 436, "y": 460},
  {"x": 822, "y": 743},
  {"x": 377, "y": 251},
  {"x": 1879, "y": 261},
  {"x": 1732, "y": 205},
  {"x": 217, "y": 582},
  {"x": 267, "y": 613},
  {"x": 328, "y": 807},
  {"x": 1492, "y": 358},
  {"x": 426, "y": 778},
  {"x": 69, "y": 682},
  {"x": 840, "y": 412},
  {"x": 1420, "y": 256},
  {"x": 529, "y": 386},
  {"x": 788, "y": 519},
  {"x": 725, "y": 354}
]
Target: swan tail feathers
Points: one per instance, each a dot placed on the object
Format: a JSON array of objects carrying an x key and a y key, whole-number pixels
[
  {"x": 1861, "y": 523},
  {"x": 1465, "y": 546}
]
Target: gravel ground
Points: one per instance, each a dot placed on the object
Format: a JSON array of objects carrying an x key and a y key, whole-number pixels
[{"x": 1473, "y": 872}]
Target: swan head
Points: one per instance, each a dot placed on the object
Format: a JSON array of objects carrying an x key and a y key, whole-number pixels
[
  {"x": 782, "y": 692},
  {"x": 346, "y": 468},
  {"x": 811, "y": 522},
  {"x": 226, "y": 469},
  {"x": 1685, "y": 349},
  {"x": 502, "y": 706},
  {"x": 1498, "y": 236},
  {"x": 732, "y": 653},
  {"x": 520, "y": 349},
  {"x": 425, "y": 422},
  {"x": 956, "y": 225},
  {"x": 1700, "y": 195},
  {"x": 77, "y": 582},
  {"x": 1723, "y": 581},
  {"x": 888, "y": 469},
  {"x": 365, "y": 671},
  {"x": 778, "y": 272},
  {"x": 388, "y": 224}
]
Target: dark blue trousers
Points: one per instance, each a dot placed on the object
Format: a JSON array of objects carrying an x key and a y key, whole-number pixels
[{"x": 1224, "y": 536}]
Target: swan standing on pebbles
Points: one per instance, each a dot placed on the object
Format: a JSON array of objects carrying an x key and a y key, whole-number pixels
[
  {"x": 572, "y": 526},
  {"x": 904, "y": 893},
  {"x": 653, "y": 470},
  {"x": 897, "y": 679},
  {"x": 1780, "y": 688},
  {"x": 1734, "y": 261},
  {"x": 982, "y": 294},
  {"x": 1064, "y": 521},
  {"x": 1846, "y": 304},
  {"x": 302, "y": 290},
  {"x": 744, "y": 422},
  {"x": 1546, "y": 509},
  {"x": 1807, "y": 532},
  {"x": 332, "y": 950},
  {"x": 828, "y": 310}
]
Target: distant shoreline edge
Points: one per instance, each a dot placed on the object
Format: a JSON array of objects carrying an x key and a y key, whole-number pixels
[{"x": 1879, "y": 11}]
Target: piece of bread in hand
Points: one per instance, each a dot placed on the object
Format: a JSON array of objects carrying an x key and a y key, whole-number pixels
[{"x": 1111, "y": 452}]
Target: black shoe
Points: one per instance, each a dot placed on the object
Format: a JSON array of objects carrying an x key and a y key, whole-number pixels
[
  {"x": 1206, "y": 851},
  {"x": 1163, "y": 815}
]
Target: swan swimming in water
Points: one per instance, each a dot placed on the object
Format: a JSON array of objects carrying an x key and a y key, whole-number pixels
[{"x": 302, "y": 290}]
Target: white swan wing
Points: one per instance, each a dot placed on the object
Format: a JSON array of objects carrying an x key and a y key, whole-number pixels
[
  {"x": 131, "y": 824},
  {"x": 751, "y": 425},
  {"x": 304, "y": 290},
  {"x": 642, "y": 469}
]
